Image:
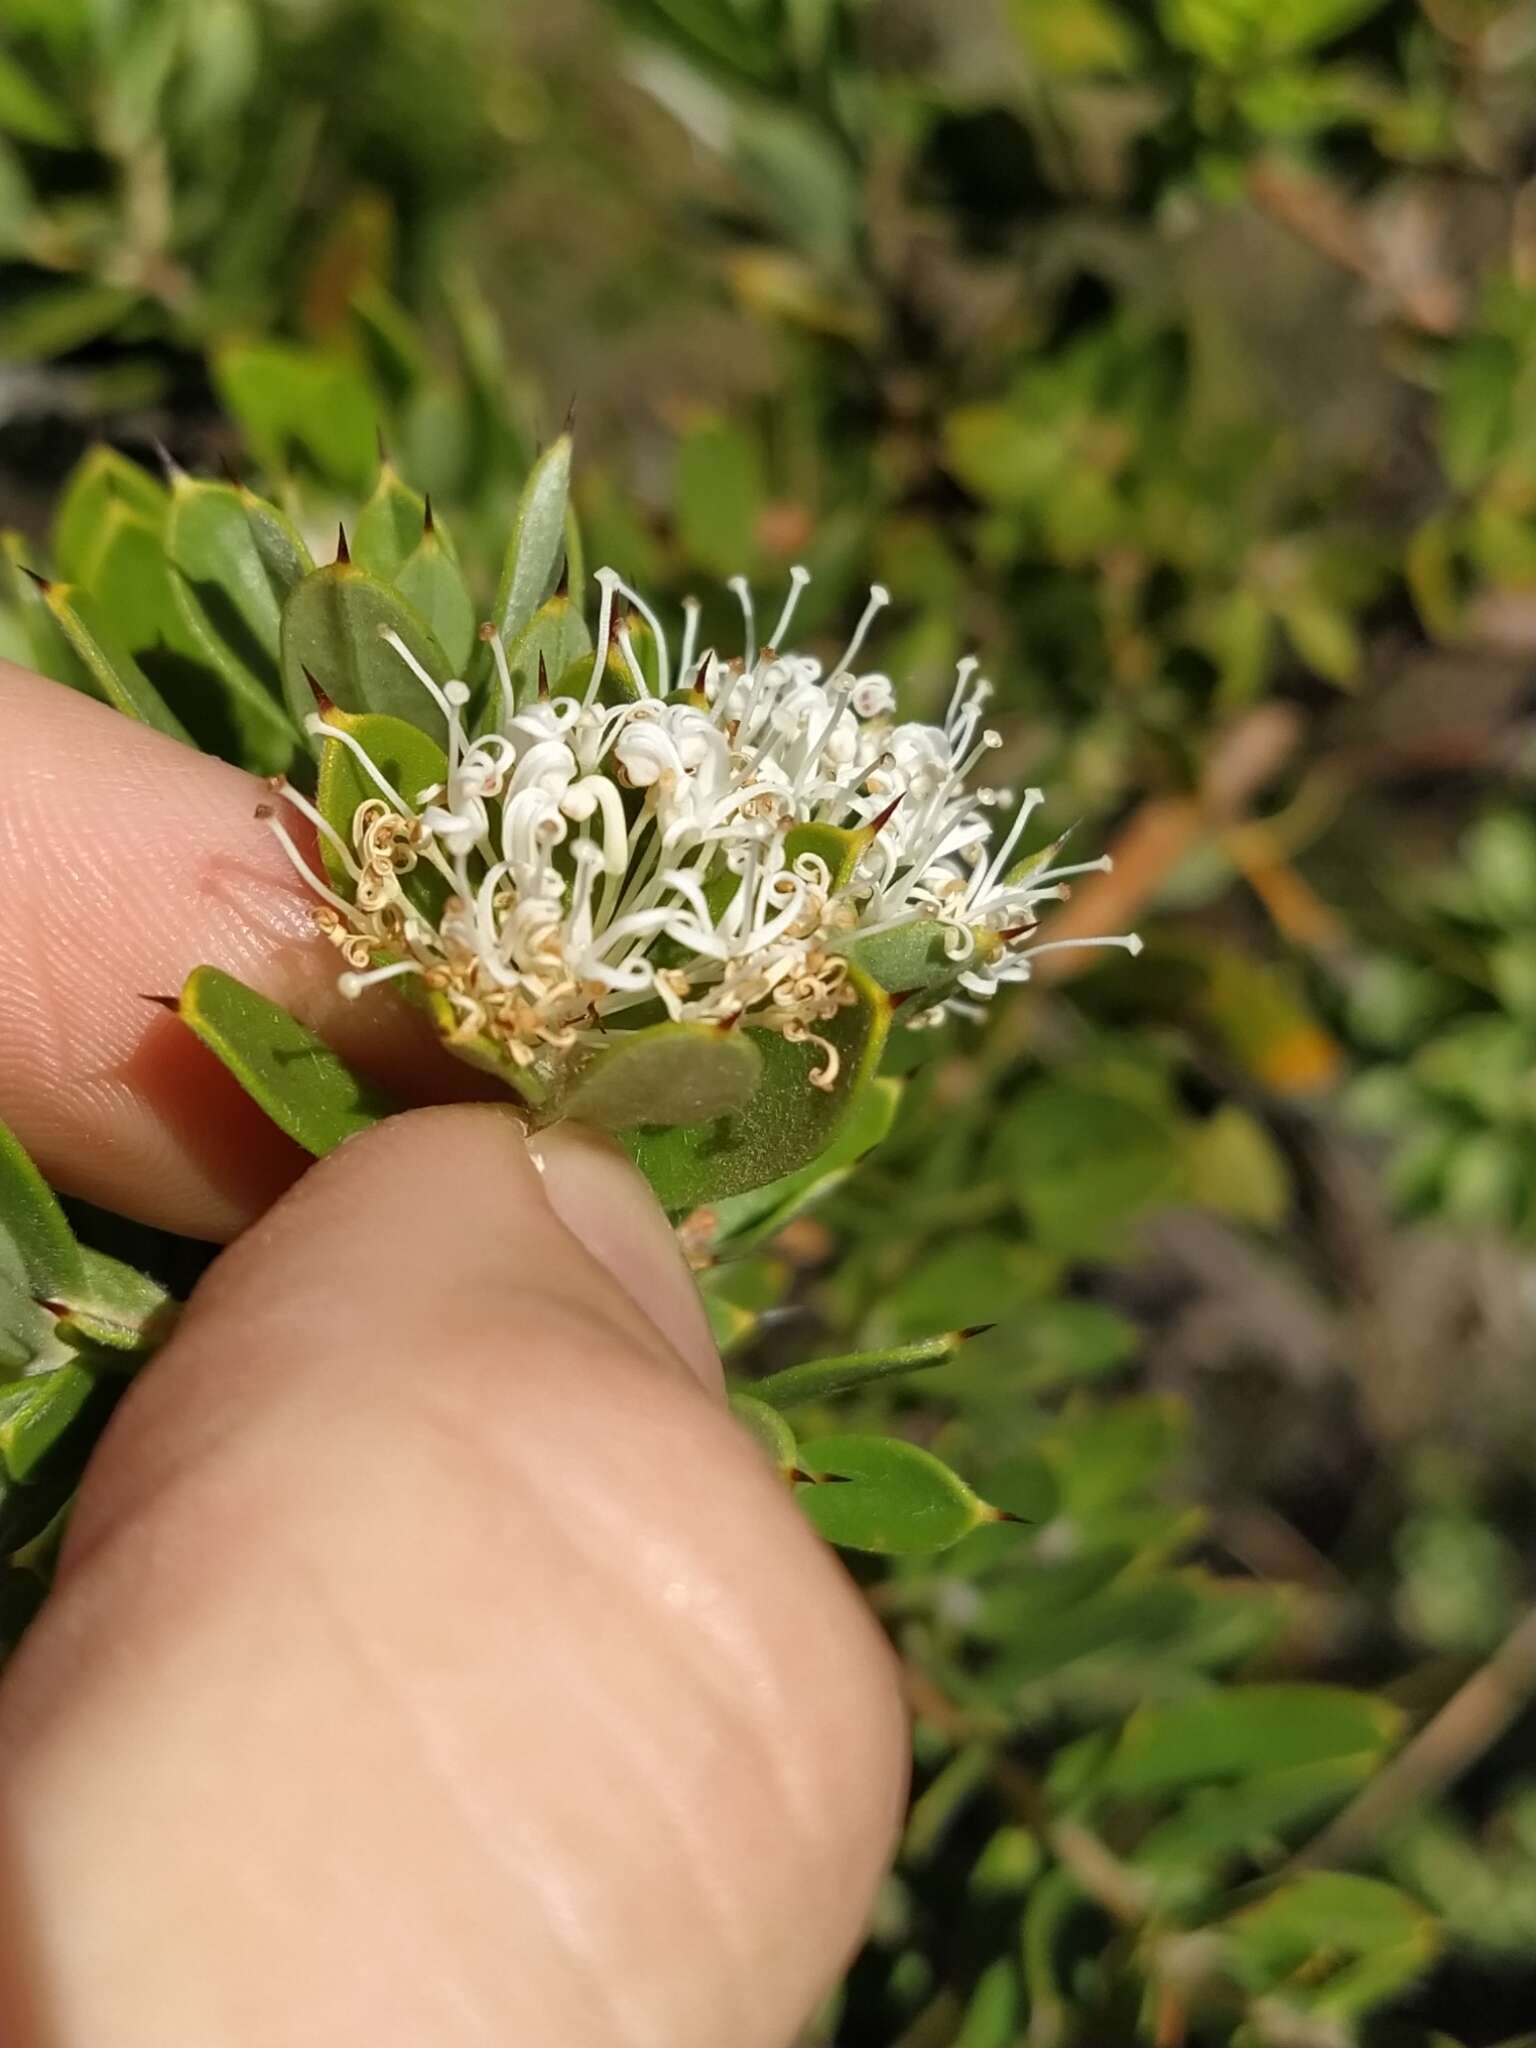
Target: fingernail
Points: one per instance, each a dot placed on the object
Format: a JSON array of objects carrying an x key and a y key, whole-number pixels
[{"x": 607, "y": 1204}]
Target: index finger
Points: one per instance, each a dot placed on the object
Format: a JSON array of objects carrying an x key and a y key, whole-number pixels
[{"x": 128, "y": 860}]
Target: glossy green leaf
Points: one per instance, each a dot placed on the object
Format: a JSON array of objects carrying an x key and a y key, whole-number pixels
[
  {"x": 768, "y": 1430},
  {"x": 36, "y": 1413},
  {"x": 307, "y": 1090},
  {"x": 823, "y": 1378},
  {"x": 37, "y": 1246},
  {"x": 538, "y": 541},
  {"x": 115, "y": 676},
  {"x": 669, "y": 1074},
  {"x": 789, "y": 1122},
  {"x": 1247, "y": 1732},
  {"x": 898, "y": 1500},
  {"x": 332, "y": 630},
  {"x": 236, "y": 559}
]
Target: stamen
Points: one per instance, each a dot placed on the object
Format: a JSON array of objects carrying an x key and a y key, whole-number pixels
[
  {"x": 353, "y": 985},
  {"x": 1033, "y": 799},
  {"x": 879, "y": 598},
  {"x": 322, "y": 889},
  {"x": 692, "y": 610},
  {"x": 301, "y": 803},
  {"x": 607, "y": 583},
  {"x": 798, "y": 579},
  {"x": 741, "y": 590}
]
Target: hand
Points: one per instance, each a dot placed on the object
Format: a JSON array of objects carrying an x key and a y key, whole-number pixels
[{"x": 432, "y": 1661}]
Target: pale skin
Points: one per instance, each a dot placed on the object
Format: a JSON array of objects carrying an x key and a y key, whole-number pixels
[{"x": 432, "y": 1659}]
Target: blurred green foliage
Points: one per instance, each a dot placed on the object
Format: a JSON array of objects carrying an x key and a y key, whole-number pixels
[{"x": 1183, "y": 359}]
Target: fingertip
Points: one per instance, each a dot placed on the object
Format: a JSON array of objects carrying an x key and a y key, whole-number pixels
[{"x": 605, "y": 1201}]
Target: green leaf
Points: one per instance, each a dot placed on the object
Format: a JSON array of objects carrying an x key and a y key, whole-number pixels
[
  {"x": 538, "y": 541},
  {"x": 898, "y": 1500},
  {"x": 745, "y": 1220},
  {"x": 982, "y": 1276},
  {"x": 389, "y": 526},
  {"x": 333, "y": 627},
  {"x": 114, "y": 1308},
  {"x": 1308, "y": 1924},
  {"x": 1500, "y": 855},
  {"x": 101, "y": 479},
  {"x": 822, "y": 1378},
  {"x": 236, "y": 559},
  {"x": 306, "y": 1089},
  {"x": 115, "y": 676},
  {"x": 129, "y": 581},
  {"x": 50, "y": 652},
  {"x": 1235, "y": 34},
  {"x": 1081, "y": 1162},
  {"x": 1477, "y": 407},
  {"x": 1222, "y": 1822},
  {"x": 37, "y": 1246},
  {"x": 408, "y": 761},
  {"x": 769, "y": 1429},
  {"x": 30, "y": 114},
  {"x": 556, "y": 636},
  {"x": 1073, "y": 41},
  {"x": 58, "y": 319},
  {"x": 1116, "y": 1623},
  {"x": 787, "y": 1124},
  {"x": 670, "y": 1074},
  {"x": 910, "y": 962},
  {"x": 299, "y": 404},
  {"x": 719, "y": 495},
  {"x": 1248, "y": 1731},
  {"x": 834, "y": 845},
  {"x": 430, "y": 579},
  {"x": 36, "y": 1413}
]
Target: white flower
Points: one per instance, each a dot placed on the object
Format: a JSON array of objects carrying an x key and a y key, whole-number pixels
[{"x": 600, "y": 867}]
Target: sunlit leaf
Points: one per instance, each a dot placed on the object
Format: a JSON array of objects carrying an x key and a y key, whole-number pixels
[{"x": 307, "y": 1090}]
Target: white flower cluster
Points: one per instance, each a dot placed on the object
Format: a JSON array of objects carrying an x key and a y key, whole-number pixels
[{"x": 602, "y": 867}]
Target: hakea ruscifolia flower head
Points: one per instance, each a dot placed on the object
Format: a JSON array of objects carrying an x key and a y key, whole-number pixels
[{"x": 731, "y": 843}]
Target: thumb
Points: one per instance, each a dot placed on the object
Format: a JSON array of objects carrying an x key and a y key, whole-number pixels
[{"x": 432, "y": 1658}]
